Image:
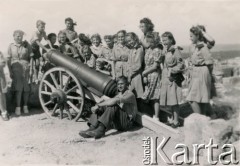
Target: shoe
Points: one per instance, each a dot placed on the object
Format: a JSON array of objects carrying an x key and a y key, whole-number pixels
[
  {"x": 5, "y": 116},
  {"x": 155, "y": 118},
  {"x": 83, "y": 133},
  {"x": 168, "y": 123},
  {"x": 18, "y": 111},
  {"x": 96, "y": 134},
  {"x": 25, "y": 109},
  {"x": 175, "y": 125}
]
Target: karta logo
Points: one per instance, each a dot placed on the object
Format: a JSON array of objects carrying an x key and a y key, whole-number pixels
[{"x": 153, "y": 151}]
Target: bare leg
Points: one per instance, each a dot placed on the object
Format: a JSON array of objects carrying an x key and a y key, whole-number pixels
[
  {"x": 175, "y": 110},
  {"x": 156, "y": 107},
  {"x": 3, "y": 107},
  {"x": 196, "y": 107}
]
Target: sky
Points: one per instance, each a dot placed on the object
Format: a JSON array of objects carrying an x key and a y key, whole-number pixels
[{"x": 220, "y": 17}]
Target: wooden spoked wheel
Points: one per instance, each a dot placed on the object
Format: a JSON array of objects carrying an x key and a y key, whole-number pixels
[{"x": 61, "y": 94}]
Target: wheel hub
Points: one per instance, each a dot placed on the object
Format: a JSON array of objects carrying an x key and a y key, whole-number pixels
[{"x": 58, "y": 97}]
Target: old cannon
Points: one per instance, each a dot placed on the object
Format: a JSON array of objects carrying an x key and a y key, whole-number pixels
[{"x": 64, "y": 88}]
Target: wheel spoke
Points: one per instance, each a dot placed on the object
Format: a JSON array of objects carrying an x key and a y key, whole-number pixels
[
  {"x": 50, "y": 85},
  {"x": 68, "y": 113},
  {"x": 45, "y": 87},
  {"x": 46, "y": 93},
  {"x": 66, "y": 84},
  {"x": 61, "y": 83},
  {"x": 47, "y": 103},
  {"x": 54, "y": 109},
  {"x": 73, "y": 106},
  {"x": 74, "y": 98},
  {"x": 61, "y": 79},
  {"x": 73, "y": 88},
  {"x": 54, "y": 80},
  {"x": 61, "y": 113}
]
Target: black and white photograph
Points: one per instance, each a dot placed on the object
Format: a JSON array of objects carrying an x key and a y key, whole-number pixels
[{"x": 119, "y": 82}]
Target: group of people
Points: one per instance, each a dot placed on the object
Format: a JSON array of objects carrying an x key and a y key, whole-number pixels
[{"x": 152, "y": 66}]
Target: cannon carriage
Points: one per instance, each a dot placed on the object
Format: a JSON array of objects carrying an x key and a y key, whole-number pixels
[{"x": 64, "y": 88}]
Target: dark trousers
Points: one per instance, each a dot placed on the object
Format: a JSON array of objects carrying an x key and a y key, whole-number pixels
[{"x": 112, "y": 115}]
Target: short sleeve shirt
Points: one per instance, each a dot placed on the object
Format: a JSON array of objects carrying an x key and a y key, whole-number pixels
[
  {"x": 19, "y": 52},
  {"x": 151, "y": 56},
  {"x": 201, "y": 55}
]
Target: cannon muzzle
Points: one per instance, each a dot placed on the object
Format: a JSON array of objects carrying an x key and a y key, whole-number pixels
[{"x": 90, "y": 78}]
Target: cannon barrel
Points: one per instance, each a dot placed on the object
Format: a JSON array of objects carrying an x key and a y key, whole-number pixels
[{"x": 88, "y": 77}]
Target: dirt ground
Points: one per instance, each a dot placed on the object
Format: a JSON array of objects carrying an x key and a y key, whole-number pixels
[{"x": 37, "y": 139}]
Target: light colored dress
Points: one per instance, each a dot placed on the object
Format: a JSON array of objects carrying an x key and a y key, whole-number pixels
[
  {"x": 71, "y": 34},
  {"x": 135, "y": 65},
  {"x": 171, "y": 88},
  {"x": 200, "y": 77},
  {"x": 152, "y": 88},
  {"x": 120, "y": 57},
  {"x": 19, "y": 55}
]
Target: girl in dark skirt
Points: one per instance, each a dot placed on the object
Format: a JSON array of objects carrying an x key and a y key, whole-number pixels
[{"x": 19, "y": 54}]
